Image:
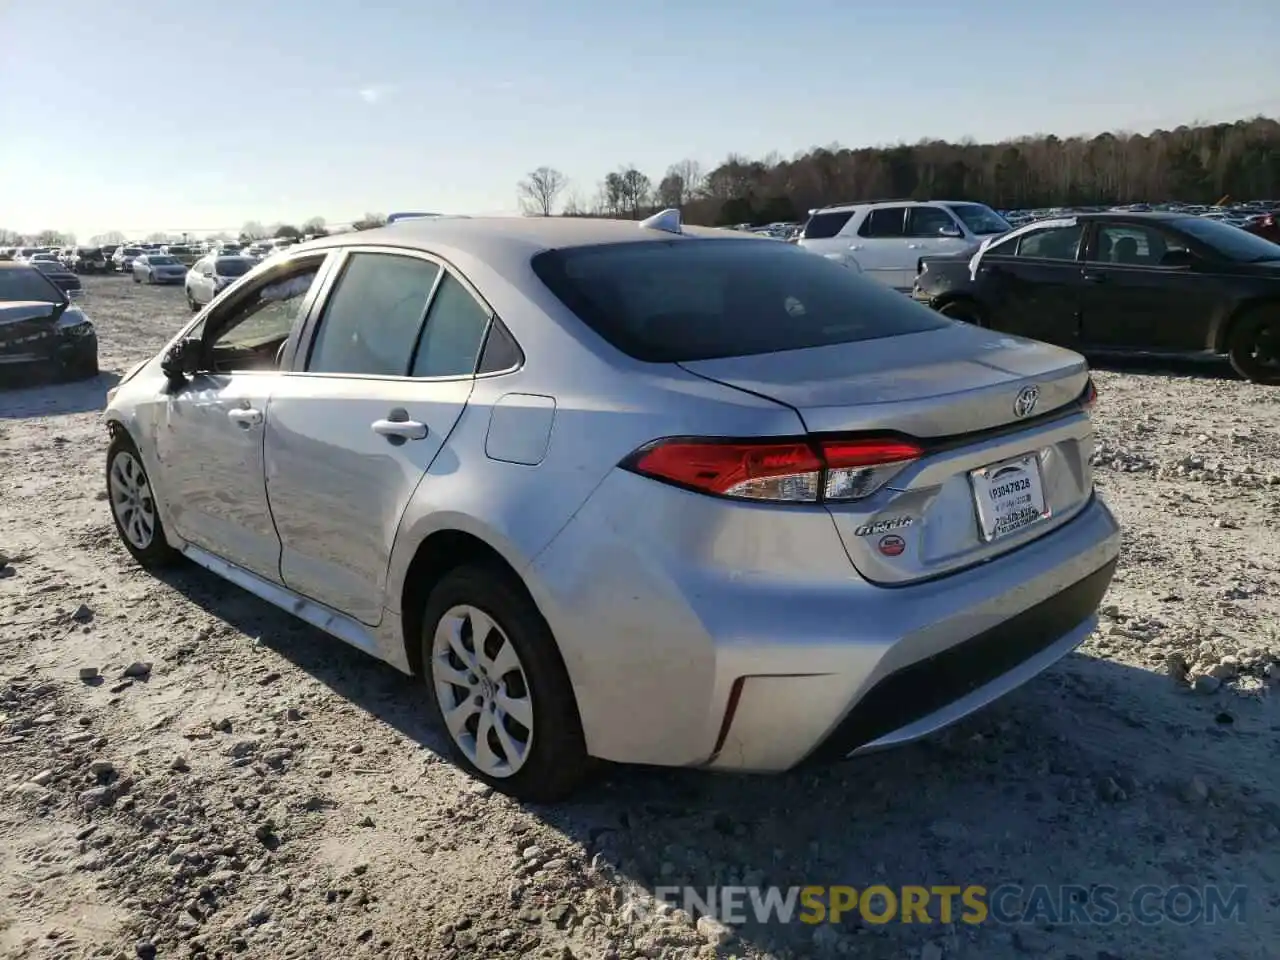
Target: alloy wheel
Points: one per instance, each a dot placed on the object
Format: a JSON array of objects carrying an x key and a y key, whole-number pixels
[
  {"x": 131, "y": 500},
  {"x": 483, "y": 692}
]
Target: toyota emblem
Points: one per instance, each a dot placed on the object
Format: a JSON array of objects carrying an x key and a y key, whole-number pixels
[{"x": 1026, "y": 401}]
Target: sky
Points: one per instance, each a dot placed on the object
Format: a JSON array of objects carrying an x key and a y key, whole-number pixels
[{"x": 199, "y": 117}]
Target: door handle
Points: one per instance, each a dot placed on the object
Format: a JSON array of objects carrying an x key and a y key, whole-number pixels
[
  {"x": 398, "y": 431},
  {"x": 245, "y": 416},
  {"x": 1090, "y": 277},
  {"x": 855, "y": 246}
]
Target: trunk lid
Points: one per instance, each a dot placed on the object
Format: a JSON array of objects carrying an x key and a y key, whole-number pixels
[{"x": 992, "y": 477}]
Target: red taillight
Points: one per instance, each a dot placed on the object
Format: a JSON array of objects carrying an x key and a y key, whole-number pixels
[
  {"x": 798, "y": 471},
  {"x": 1090, "y": 395}
]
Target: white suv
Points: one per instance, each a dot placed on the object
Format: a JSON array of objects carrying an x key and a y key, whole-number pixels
[{"x": 887, "y": 238}]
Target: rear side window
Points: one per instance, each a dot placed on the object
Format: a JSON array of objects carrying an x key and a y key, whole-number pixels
[
  {"x": 824, "y": 225},
  {"x": 455, "y": 329},
  {"x": 1053, "y": 243},
  {"x": 373, "y": 316},
  {"x": 884, "y": 222},
  {"x": 668, "y": 301}
]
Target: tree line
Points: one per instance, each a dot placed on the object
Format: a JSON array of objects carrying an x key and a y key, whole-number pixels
[
  {"x": 1192, "y": 164},
  {"x": 251, "y": 231}
]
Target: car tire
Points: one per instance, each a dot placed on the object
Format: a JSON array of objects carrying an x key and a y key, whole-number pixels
[
  {"x": 1254, "y": 346},
  {"x": 136, "y": 278},
  {"x": 554, "y": 761},
  {"x": 128, "y": 486},
  {"x": 965, "y": 311},
  {"x": 191, "y": 302}
]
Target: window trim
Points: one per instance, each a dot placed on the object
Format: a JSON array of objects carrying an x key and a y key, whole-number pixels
[
  {"x": 866, "y": 222},
  {"x": 307, "y": 336}
]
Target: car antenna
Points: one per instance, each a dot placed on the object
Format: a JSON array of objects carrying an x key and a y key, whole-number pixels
[{"x": 666, "y": 220}]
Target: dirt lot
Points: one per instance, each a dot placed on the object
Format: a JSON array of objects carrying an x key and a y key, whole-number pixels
[{"x": 265, "y": 791}]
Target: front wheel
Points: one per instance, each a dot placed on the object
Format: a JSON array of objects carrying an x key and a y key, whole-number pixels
[
  {"x": 499, "y": 686},
  {"x": 1254, "y": 346},
  {"x": 133, "y": 505}
]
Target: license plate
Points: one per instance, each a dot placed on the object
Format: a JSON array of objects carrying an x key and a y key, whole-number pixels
[{"x": 1009, "y": 496}]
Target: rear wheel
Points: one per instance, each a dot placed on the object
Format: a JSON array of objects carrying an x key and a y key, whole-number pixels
[
  {"x": 965, "y": 311},
  {"x": 191, "y": 302},
  {"x": 1254, "y": 346},
  {"x": 136, "y": 278},
  {"x": 499, "y": 687},
  {"x": 133, "y": 505}
]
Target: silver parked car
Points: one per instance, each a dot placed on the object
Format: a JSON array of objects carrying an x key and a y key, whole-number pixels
[
  {"x": 622, "y": 490},
  {"x": 212, "y": 274},
  {"x": 158, "y": 268}
]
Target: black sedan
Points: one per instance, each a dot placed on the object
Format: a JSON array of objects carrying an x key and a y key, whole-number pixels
[
  {"x": 62, "y": 276},
  {"x": 41, "y": 331},
  {"x": 1121, "y": 283}
]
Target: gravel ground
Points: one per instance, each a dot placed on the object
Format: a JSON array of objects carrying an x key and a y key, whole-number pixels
[{"x": 232, "y": 782}]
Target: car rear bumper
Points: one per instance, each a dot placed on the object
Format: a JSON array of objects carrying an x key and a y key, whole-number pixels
[{"x": 760, "y": 670}]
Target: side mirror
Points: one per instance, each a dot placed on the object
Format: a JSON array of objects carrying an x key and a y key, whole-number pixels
[
  {"x": 952, "y": 231},
  {"x": 182, "y": 360}
]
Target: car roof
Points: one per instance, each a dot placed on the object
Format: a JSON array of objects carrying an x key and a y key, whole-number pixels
[{"x": 504, "y": 237}]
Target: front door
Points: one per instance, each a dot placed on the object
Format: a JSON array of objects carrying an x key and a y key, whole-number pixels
[
  {"x": 1140, "y": 292},
  {"x": 930, "y": 231},
  {"x": 1030, "y": 284},
  {"x": 209, "y": 441},
  {"x": 359, "y": 424}
]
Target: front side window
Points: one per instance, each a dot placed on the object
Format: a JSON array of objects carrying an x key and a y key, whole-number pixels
[
  {"x": 929, "y": 222},
  {"x": 371, "y": 321},
  {"x": 1135, "y": 245},
  {"x": 250, "y": 337}
]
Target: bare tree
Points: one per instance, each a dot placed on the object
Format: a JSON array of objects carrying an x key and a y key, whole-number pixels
[
  {"x": 53, "y": 238},
  {"x": 9, "y": 237},
  {"x": 538, "y": 191},
  {"x": 369, "y": 221},
  {"x": 253, "y": 230},
  {"x": 681, "y": 184},
  {"x": 636, "y": 191},
  {"x": 111, "y": 236},
  {"x": 314, "y": 227}
]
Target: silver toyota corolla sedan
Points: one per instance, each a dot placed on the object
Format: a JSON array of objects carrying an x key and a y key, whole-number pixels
[{"x": 631, "y": 491}]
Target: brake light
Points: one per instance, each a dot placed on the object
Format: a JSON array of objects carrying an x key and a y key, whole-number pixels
[
  {"x": 792, "y": 471},
  {"x": 1090, "y": 395}
]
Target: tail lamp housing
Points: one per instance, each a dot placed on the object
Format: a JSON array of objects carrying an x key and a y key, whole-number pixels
[{"x": 807, "y": 470}]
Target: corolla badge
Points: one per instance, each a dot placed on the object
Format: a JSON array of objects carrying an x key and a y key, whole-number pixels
[{"x": 1025, "y": 402}]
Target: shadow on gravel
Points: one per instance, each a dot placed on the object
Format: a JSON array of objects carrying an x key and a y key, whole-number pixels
[
  {"x": 1073, "y": 779},
  {"x": 1209, "y": 368},
  {"x": 56, "y": 399}
]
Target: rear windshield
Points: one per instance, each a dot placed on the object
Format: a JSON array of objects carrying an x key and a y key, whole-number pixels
[
  {"x": 18, "y": 284},
  {"x": 160, "y": 260},
  {"x": 231, "y": 267},
  {"x": 133, "y": 251},
  {"x": 668, "y": 301}
]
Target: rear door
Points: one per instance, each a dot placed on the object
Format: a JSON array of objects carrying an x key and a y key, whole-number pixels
[
  {"x": 880, "y": 247},
  {"x": 1030, "y": 284},
  {"x": 1133, "y": 298},
  {"x": 368, "y": 408}
]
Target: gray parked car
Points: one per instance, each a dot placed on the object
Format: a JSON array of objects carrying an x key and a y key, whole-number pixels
[
  {"x": 624, "y": 490},
  {"x": 158, "y": 268},
  {"x": 212, "y": 274}
]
